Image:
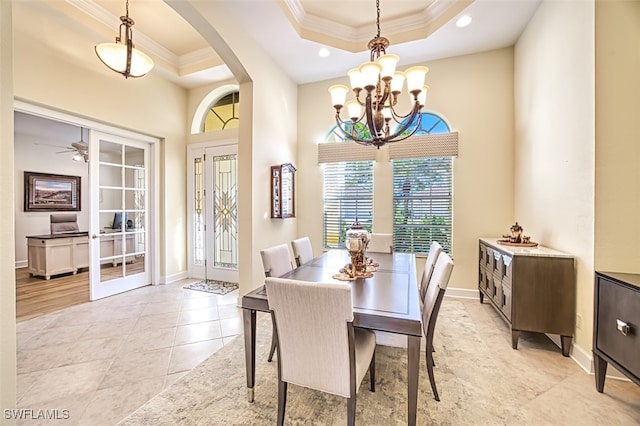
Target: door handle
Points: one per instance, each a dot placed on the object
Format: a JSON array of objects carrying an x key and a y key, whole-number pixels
[{"x": 94, "y": 236}]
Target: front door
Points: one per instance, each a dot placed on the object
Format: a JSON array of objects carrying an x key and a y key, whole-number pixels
[
  {"x": 119, "y": 182},
  {"x": 215, "y": 225}
]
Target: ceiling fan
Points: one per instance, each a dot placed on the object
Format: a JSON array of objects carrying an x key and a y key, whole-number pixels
[{"x": 80, "y": 149}]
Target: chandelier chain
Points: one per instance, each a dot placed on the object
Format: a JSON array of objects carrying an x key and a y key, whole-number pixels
[{"x": 377, "y": 17}]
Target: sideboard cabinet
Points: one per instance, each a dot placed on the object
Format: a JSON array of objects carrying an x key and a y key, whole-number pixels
[
  {"x": 532, "y": 288},
  {"x": 616, "y": 327}
]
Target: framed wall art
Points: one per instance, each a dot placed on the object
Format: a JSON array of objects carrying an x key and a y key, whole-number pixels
[{"x": 49, "y": 192}]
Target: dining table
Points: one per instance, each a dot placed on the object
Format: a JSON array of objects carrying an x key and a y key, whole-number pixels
[{"x": 387, "y": 301}]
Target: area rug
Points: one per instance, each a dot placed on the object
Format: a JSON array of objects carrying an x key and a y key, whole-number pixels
[
  {"x": 213, "y": 286},
  {"x": 481, "y": 381}
]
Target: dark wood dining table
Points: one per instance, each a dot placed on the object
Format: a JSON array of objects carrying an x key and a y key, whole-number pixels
[{"x": 388, "y": 301}]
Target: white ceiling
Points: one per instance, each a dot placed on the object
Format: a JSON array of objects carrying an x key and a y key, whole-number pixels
[{"x": 419, "y": 31}]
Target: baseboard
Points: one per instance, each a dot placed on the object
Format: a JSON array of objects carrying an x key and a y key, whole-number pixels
[
  {"x": 168, "y": 279},
  {"x": 21, "y": 264},
  {"x": 462, "y": 293}
]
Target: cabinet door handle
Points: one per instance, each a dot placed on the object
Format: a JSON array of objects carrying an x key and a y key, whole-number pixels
[{"x": 622, "y": 327}]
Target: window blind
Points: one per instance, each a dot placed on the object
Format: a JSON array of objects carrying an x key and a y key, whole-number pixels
[
  {"x": 422, "y": 203},
  {"x": 426, "y": 145},
  {"x": 348, "y": 194}
]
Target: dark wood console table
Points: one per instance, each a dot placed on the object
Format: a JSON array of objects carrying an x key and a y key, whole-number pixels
[
  {"x": 532, "y": 288},
  {"x": 616, "y": 327}
]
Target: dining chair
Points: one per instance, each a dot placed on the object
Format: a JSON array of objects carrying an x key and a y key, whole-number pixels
[
  {"x": 432, "y": 301},
  {"x": 318, "y": 346},
  {"x": 380, "y": 243},
  {"x": 434, "y": 251},
  {"x": 302, "y": 250},
  {"x": 276, "y": 262}
]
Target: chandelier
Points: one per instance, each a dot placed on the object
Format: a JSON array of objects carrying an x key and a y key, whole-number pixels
[
  {"x": 382, "y": 85},
  {"x": 121, "y": 56}
]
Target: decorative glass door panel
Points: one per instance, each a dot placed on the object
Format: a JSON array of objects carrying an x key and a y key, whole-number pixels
[
  {"x": 225, "y": 214},
  {"x": 215, "y": 214}
]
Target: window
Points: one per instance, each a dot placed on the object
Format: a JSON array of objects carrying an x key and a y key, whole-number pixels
[
  {"x": 223, "y": 114},
  {"x": 422, "y": 195},
  {"x": 348, "y": 187},
  {"x": 348, "y": 195}
]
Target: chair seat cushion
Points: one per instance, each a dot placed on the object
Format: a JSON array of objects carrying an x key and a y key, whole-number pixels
[{"x": 365, "y": 345}]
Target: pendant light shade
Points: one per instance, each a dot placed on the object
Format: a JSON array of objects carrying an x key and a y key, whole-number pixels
[
  {"x": 121, "y": 56},
  {"x": 114, "y": 56}
]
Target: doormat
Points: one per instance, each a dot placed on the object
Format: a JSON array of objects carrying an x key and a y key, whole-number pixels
[{"x": 213, "y": 286}]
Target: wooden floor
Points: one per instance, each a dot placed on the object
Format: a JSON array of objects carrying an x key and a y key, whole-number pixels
[{"x": 36, "y": 296}]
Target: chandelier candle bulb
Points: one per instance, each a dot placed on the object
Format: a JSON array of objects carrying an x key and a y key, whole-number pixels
[
  {"x": 354, "y": 109},
  {"x": 388, "y": 63},
  {"x": 415, "y": 79},
  {"x": 422, "y": 96},
  {"x": 338, "y": 95},
  {"x": 356, "y": 79},
  {"x": 370, "y": 71},
  {"x": 398, "y": 82}
]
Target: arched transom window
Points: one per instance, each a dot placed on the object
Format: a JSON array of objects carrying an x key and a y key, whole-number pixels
[{"x": 223, "y": 114}]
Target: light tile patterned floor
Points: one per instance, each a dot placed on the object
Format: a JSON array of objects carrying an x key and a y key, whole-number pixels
[{"x": 101, "y": 360}]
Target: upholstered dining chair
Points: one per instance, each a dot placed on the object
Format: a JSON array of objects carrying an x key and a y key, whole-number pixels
[
  {"x": 380, "y": 243},
  {"x": 318, "y": 346},
  {"x": 434, "y": 251},
  {"x": 432, "y": 301},
  {"x": 276, "y": 262},
  {"x": 302, "y": 250}
]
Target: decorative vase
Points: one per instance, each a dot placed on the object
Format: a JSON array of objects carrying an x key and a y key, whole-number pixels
[{"x": 357, "y": 241}]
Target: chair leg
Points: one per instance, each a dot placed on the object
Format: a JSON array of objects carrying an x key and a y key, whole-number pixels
[
  {"x": 351, "y": 410},
  {"x": 282, "y": 401},
  {"x": 274, "y": 343},
  {"x": 372, "y": 372},
  {"x": 431, "y": 377}
]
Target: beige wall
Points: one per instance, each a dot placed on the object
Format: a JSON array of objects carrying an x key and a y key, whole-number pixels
[
  {"x": 475, "y": 94},
  {"x": 7, "y": 276},
  {"x": 554, "y": 154},
  {"x": 267, "y": 132},
  {"x": 617, "y": 207},
  {"x": 149, "y": 105}
]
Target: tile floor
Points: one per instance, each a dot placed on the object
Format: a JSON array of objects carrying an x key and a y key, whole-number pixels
[{"x": 101, "y": 360}]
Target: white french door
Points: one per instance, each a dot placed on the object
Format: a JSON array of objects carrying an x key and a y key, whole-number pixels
[
  {"x": 215, "y": 215},
  {"x": 119, "y": 181}
]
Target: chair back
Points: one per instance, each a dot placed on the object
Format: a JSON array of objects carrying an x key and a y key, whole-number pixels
[
  {"x": 63, "y": 222},
  {"x": 302, "y": 251},
  {"x": 380, "y": 243},
  {"x": 311, "y": 324},
  {"x": 434, "y": 251},
  {"x": 276, "y": 260},
  {"x": 435, "y": 292}
]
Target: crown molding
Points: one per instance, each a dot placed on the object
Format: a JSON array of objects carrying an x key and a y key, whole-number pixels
[
  {"x": 189, "y": 60},
  {"x": 400, "y": 28}
]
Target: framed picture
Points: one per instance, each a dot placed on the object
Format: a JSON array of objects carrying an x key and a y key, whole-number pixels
[{"x": 49, "y": 192}]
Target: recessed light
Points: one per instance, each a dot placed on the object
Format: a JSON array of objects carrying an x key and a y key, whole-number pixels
[
  {"x": 463, "y": 21},
  {"x": 324, "y": 52}
]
